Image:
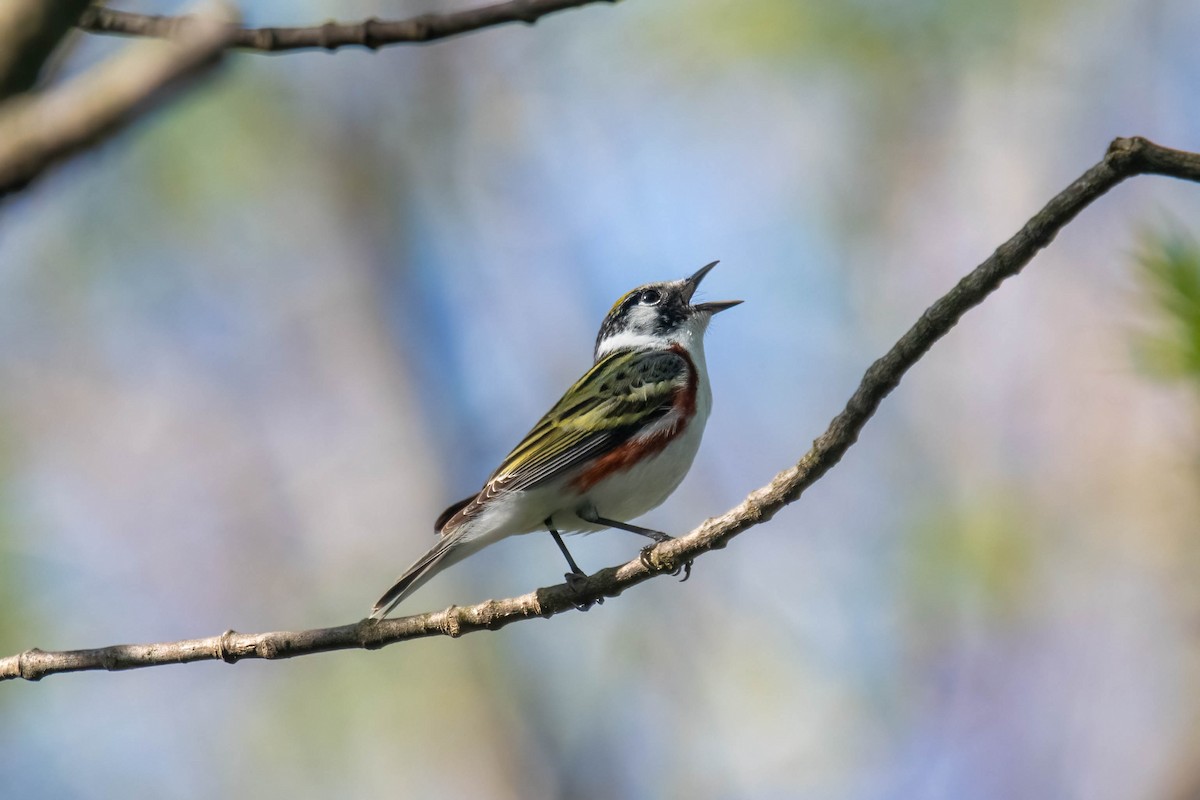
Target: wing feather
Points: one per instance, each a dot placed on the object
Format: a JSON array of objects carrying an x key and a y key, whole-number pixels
[{"x": 620, "y": 394}]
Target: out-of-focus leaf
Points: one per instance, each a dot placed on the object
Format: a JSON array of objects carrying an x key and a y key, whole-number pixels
[
  {"x": 975, "y": 559},
  {"x": 1170, "y": 275},
  {"x": 869, "y": 35},
  {"x": 221, "y": 147}
]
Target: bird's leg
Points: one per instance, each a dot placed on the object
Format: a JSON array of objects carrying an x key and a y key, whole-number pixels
[
  {"x": 576, "y": 576},
  {"x": 588, "y": 514}
]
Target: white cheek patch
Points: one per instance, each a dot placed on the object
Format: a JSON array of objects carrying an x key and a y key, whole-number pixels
[
  {"x": 643, "y": 319},
  {"x": 641, "y": 323},
  {"x": 627, "y": 340}
]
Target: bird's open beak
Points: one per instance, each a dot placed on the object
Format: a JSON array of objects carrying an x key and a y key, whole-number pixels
[
  {"x": 717, "y": 305},
  {"x": 690, "y": 288}
]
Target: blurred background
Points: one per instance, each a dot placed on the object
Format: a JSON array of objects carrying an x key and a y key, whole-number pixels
[{"x": 251, "y": 348}]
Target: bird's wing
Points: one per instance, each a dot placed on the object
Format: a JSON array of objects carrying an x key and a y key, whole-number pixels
[{"x": 620, "y": 394}]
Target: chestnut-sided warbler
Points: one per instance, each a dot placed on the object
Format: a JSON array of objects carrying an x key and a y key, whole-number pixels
[{"x": 615, "y": 446}]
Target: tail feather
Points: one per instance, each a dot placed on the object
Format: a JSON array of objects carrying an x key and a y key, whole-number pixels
[{"x": 449, "y": 550}]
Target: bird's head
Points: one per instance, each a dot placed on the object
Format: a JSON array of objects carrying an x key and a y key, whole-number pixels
[{"x": 659, "y": 314}]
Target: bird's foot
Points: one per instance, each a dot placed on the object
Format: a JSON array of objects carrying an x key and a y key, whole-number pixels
[
  {"x": 685, "y": 567},
  {"x": 576, "y": 582}
]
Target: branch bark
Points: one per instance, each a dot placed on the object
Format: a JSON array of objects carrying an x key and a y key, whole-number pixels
[
  {"x": 39, "y": 129},
  {"x": 1125, "y": 158},
  {"x": 371, "y": 34}
]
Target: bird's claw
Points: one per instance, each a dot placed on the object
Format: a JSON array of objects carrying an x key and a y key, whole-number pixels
[
  {"x": 576, "y": 582},
  {"x": 685, "y": 567}
]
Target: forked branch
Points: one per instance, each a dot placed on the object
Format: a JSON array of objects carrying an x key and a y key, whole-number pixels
[
  {"x": 1125, "y": 158},
  {"x": 39, "y": 129}
]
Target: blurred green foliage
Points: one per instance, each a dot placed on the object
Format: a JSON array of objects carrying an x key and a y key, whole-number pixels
[
  {"x": 1169, "y": 271},
  {"x": 974, "y": 558},
  {"x": 871, "y": 36},
  {"x": 232, "y": 135}
]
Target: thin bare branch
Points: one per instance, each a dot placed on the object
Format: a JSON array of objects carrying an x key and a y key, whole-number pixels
[
  {"x": 38, "y": 129},
  {"x": 372, "y": 33},
  {"x": 1125, "y": 158}
]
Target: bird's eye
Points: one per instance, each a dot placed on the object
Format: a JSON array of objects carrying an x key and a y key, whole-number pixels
[{"x": 650, "y": 297}]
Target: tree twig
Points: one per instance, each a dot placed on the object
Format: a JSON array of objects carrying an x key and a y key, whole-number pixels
[
  {"x": 1125, "y": 158},
  {"x": 372, "y": 33},
  {"x": 38, "y": 129}
]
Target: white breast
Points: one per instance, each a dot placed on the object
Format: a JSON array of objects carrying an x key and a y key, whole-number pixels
[{"x": 627, "y": 495}]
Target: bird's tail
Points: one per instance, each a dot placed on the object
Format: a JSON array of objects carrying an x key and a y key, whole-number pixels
[{"x": 449, "y": 550}]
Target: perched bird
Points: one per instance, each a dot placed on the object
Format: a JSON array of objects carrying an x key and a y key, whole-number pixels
[{"x": 615, "y": 446}]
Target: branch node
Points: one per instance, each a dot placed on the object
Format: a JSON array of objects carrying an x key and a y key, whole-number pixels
[
  {"x": 266, "y": 39},
  {"x": 25, "y": 669},
  {"x": 543, "y": 611},
  {"x": 531, "y": 605},
  {"x": 486, "y": 614},
  {"x": 1125, "y": 150},
  {"x": 421, "y": 27},
  {"x": 451, "y": 622},
  {"x": 370, "y": 39},
  {"x": 367, "y": 634},
  {"x": 269, "y": 649},
  {"x": 325, "y": 37},
  {"x": 224, "y": 651}
]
